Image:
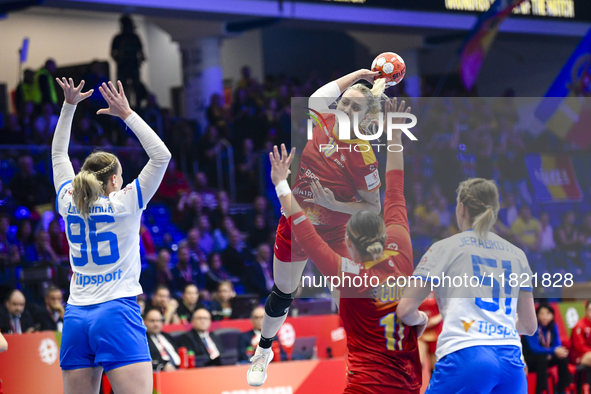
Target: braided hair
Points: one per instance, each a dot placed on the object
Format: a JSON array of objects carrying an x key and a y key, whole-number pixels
[
  {"x": 92, "y": 179},
  {"x": 481, "y": 198},
  {"x": 367, "y": 231}
]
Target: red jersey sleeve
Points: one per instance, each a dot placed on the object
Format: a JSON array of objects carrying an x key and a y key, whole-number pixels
[
  {"x": 363, "y": 167},
  {"x": 394, "y": 201},
  {"x": 327, "y": 261},
  {"x": 579, "y": 341}
]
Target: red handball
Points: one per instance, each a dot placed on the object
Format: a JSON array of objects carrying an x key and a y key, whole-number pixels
[{"x": 392, "y": 67}]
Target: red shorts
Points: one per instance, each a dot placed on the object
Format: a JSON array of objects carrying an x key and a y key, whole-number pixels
[{"x": 287, "y": 248}]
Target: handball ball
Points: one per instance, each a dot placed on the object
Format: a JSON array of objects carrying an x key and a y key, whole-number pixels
[{"x": 392, "y": 67}]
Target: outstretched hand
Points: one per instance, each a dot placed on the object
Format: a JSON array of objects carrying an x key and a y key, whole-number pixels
[
  {"x": 118, "y": 104},
  {"x": 368, "y": 75},
  {"x": 393, "y": 106},
  {"x": 280, "y": 163},
  {"x": 322, "y": 196},
  {"x": 72, "y": 94}
]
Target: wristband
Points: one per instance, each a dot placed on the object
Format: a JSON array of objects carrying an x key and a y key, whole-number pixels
[{"x": 282, "y": 189}]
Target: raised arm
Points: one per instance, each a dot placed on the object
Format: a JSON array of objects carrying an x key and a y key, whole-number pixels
[
  {"x": 327, "y": 94},
  {"x": 153, "y": 172},
  {"x": 62, "y": 167},
  {"x": 327, "y": 261}
]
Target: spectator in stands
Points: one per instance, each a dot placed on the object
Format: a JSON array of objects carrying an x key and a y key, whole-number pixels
[
  {"x": 189, "y": 303},
  {"x": 45, "y": 124},
  {"x": 157, "y": 274},
  {"x": 25, "y": 91},
  {"x": 24, "y": 237},
  {"x": 260, "y": 233},
  {"x": 221, "y": 212},
  {"x": 188, "y": 209},
  {"x": 247, "y": 170},
  {"x": 544, "y": 349},
  {"x": 580, "y": 350},
  {"x": 426, "y": 217},
  {"x": 443, "y": 212},
  {"x": 216, "y": 115},
  {"x": 8, "y": 251},
  {"x": 41, "y": 251},
  {"x": 547, "y": 243},
  {"x": 216, "y": 273},
  {"x": 221, "y": 305},
  {"x": 248, "y": 341},
  {"x": 162, "y": 346},
  {"x": 45, "y": 85},
  {"x": 173, "y": 185},
  {"x": 246, "y": 81},
  {"x": 567, "y": 236},
  {"x": 221, "y": 235},
  {"x": 162, "y": 301},
  {"x": 206, "y": 242},
  {"x": 526, "y": 230},
  {"x": 12, "y": 133},
  {"x": 14, "y": 319},
  {"x": 236, "y": 254},
  {"x": 209, "y": 147},
  {"x": 58, "y": 241},
  {"x": 51, "y": 316},
  {"x": 258, "y": 275},
  {"x": 207, "y": 346},
  {"x": 508, "y": 212},
  {"x": 29, "y": 188},
  {"x": 186, "y": 271},
  {"x": 147, "y": 243},
  {"x": 208, "y": 194},
  {"x": 126, "y": 50},
  {"x": 585, "y": 232},
  {"x": 192, "y": 242}
]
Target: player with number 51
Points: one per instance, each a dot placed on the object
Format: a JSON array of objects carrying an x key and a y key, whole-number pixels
[
  {"x": 479, "y": 348},
  {"x": 103, "y": 329}
]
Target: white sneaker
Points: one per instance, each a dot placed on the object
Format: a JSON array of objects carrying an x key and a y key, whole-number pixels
[{"x": 257, "y": 373}]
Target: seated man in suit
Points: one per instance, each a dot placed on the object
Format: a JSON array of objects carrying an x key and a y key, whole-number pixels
[
  {"x": 207, "y": 347},
  {"x": 14, "y": 319},
  {"x": 50, "y": 317},
  {"x": 189, "y": 303},
  {"x": 162, "y": 346},
  {"x": 248, "y": 341}
]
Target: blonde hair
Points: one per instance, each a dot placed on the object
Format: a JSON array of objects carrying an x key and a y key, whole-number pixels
[
  {"x": 92, "y": 179},
  {"x": 374, "y": 97},
  {"x": 367, "y": 231},
  {"x": 481, "y": 198}
]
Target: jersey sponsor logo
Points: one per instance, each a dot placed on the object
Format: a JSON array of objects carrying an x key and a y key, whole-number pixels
[
  {"x": 300, "y": 192},
  {"x": 83, "y": 280},
  {"x": 338, "y": 163},
  {"x": 392, "y": 246},
  {"x": 372, "y": 180},
  {"x": 305, "y": 171},
  {"x": 496, "y": 330},
  {"x": 467, "y": 325}
]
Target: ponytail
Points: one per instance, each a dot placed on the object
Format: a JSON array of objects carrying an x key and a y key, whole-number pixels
[
  {"x": 367, "y": 231},
  {"x": 87, "y": 189},
  {"x": 379, "y": 87},
  {"x": 481, "y": 199},
  {"x": 91, "y": 181}
]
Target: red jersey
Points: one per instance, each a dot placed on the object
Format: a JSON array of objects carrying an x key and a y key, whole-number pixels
[
  {"x": 580, "y": 340},
  {"x": 343, "y": 166},
  {"x": 383, "y": 352}
]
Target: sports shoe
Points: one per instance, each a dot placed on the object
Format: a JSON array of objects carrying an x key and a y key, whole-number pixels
[{"x": 257, "y": 373}]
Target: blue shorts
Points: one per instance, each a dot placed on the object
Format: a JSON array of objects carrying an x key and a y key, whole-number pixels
[
  {"x": 480, "y": 370},
  {"x": 109, "y": 335}
]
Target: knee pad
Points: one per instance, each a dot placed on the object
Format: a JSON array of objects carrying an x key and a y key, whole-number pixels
[{"x": 278, "y": 303}]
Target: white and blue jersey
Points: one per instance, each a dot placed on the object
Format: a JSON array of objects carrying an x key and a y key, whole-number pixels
[
  {"x": 480, "y": 309},
  {"x": 105, "y": 246}
]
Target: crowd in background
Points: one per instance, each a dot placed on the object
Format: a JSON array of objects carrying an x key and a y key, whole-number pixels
[{"x": 217, "y": 241}]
